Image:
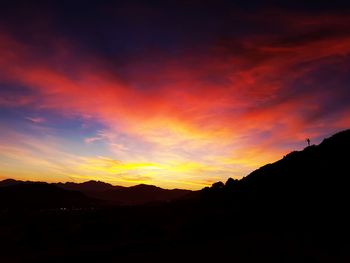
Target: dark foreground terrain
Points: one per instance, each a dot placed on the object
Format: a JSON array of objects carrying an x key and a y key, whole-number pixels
[{"x": 294, "y": 210}]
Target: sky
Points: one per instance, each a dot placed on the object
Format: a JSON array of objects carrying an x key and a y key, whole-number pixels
[{"x": 178, "y": 94}]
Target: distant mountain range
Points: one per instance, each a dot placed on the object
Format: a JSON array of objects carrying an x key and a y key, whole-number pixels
[
  {"x": 14, "y": 193},
  {"x": 28, "y": 195},
  {"x": 314, "y": 178},
  {"x": 134, "y": 195}
]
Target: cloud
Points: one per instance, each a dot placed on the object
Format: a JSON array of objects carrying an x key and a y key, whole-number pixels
[
  {"x": 36, "y": 120},
  {"x": 92, "y": 139},
  {"x": 223, "y": 109}
]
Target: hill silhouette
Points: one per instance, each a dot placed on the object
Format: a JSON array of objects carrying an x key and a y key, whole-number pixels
[
  {"x": 119, "y": 195},
  {"x": 29, "y": 195},
  {"x": 307, "y": 182},
  {"x": 293, "y": 210},
  {"x": 89, "y": 186},
  {"x": 95, "y": 193},
  {"x": 140, "y": 194}
]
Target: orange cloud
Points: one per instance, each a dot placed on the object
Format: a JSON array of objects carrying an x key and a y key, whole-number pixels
[{"x": 231, "y": 108}]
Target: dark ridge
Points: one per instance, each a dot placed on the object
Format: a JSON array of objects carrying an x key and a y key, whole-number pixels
[
  {"x": 142, "y": 194},
  {"x": 303, "y": 184},
  {"x": 107, "y": 194},
  {"x": 8, "y": 182},
  {"x": 87, "y": 186},
  {"x": 41, "y": 196}
]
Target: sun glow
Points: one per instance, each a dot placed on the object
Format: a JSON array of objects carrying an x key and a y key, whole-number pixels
[{"x": 209, "y": 113}]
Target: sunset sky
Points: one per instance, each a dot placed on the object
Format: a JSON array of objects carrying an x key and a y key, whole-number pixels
[{"x": 178, "y": 94}]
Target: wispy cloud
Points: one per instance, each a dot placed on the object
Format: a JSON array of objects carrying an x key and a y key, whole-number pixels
[
  {"x": 92, "y": 139},
  {"x": 36, "y": 120}
]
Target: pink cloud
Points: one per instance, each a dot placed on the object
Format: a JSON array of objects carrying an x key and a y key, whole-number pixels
[{"x": 36, "y": 120}]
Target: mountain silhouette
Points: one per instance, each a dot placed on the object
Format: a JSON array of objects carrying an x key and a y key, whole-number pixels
[
  {"x": 89, "y": 186},
  {"x": 303, "y": 182},
  {"x": 141, "y": 194},
  {"x": 119, "y": 195},
  {"x": 27, "y": 195},
  {"x": 99, "y": 193}
]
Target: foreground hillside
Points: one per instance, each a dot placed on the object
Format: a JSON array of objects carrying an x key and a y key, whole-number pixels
[
  {"x": 310, "y": 183},
  {"x": 294, "y": 210}
]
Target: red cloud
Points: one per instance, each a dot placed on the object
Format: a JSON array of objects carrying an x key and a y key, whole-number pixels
[{"x": 239, "y": 89}]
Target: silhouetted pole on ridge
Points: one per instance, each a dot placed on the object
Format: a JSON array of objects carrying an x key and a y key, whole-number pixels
[{"x": 308, "y": 141}]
